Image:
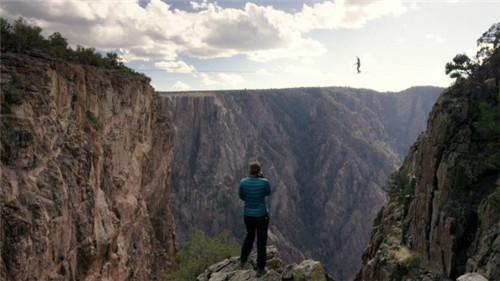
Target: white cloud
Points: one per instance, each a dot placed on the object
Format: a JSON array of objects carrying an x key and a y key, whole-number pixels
[
  {"x": 180, "y": 86},
  {"x": 230, "y": 79},
  {"x": 307, "y": 61},
  {"x": 435, "y": 38},
  {"x": 345, "y": 13},
  {"x": 298, "y": 49},
  {"x": 175, "y": 67},
  {"x": 471, "y": 52},
  {"x": 414, "y": 5},
  {"x": 222, "y": 79},
  {"x": 155, "y": 31},
  {"x": 367, "y": 60},
  {"x": 207, "y": 80},
  {"x": 263, "y": 72},
  {"x": 199, "y": 5}
]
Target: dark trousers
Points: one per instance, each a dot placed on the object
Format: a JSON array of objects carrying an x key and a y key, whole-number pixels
[{"x": 259, "y": 225}]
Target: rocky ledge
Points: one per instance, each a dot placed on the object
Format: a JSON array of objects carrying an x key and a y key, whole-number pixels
[{"x": 230, "y": 270}]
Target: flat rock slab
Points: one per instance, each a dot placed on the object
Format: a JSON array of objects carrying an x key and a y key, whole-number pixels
[
  {"x": 230, "y": 270},
  {"x": 472, "y": 277}
]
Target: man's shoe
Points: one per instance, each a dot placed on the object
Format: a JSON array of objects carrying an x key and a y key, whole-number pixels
[{"x": 261, "y": 272}]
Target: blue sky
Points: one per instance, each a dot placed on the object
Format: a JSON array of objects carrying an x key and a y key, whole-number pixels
[{"x": 202, "y": 45}]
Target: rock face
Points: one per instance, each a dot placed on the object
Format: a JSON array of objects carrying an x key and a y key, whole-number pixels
[
  {"x": 326, "y": 151},
  {"x": 85, "y": 159},
  {"x": 449, "y": 221},
  {"x": 230, "y": 270}
]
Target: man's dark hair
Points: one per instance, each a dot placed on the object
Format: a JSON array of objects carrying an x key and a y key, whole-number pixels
[{"x": 254, "y": 168}]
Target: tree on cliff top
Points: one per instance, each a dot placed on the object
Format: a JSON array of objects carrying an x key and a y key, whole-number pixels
[
  {"x": 462, "y": 66},
  {"x": 22, "y": 37}
]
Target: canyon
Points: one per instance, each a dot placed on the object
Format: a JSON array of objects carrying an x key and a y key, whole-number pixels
[
  {"x": 327, "y": 151},
  {"x": 102, "y": 178}
]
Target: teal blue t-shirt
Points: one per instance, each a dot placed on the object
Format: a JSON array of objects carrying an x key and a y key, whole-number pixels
[{"x": 253, "y": 190}]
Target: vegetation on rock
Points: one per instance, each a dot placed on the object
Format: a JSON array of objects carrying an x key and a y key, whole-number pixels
[
  {"x": 93, "y": 120},
  {"x": 463, "y": 67},
  {"x": 401, "y": 187},
  {"x": 448, "y": 222},
  {"x": 200, "y": 251},
  {"x": 84, "y": 214},
  {"x": 22, "y": 37},
  {"x": 492, "y": 202}
]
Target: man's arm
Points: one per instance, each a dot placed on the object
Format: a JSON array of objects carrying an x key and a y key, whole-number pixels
[
  {"x": 268, "y": 188},
  {"x": 241, "y": 192}
]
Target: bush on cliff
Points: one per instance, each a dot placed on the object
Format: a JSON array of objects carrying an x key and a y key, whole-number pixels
[
  {"x": 22, "y": 37},
  {"x": 200, "y": 251},
  {"x": 462, "y": 66},
  {"x": 401, "y": 187}
]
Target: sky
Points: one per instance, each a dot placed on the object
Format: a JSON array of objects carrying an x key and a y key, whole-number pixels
[{"x": 232, "y": 44}]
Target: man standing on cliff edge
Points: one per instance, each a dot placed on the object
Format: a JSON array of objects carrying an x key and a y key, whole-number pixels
[{"x": 253, "y": 190}]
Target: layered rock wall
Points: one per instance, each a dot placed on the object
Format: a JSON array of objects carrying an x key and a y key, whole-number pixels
[
  {"x": 448, "y": 222},
  {"x": 326, "y": 151},
  {"x": 85, "y": 158}
]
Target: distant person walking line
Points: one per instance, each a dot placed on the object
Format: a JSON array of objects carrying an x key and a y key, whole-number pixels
[
  {"x": 358, "y": 63},
  {"x": 253, "y": 190}
]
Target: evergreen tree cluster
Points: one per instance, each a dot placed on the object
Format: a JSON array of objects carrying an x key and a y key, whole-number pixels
[
  {"x": 488, "y": 54},
  {"x": 22, "y": 37}
]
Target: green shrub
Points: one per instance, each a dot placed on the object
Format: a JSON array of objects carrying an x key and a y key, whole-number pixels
[
  {"x": 93, "y": 120},
  {"x": 414, "y": 261},
  {"x": 401, "y": 187},
  {"x": 489, "y": 118},
  {"x": 199, "y": 252},
  {"x": 492, "y": 201},
  {"x": 20, "y": 36},
  {"x": 463, "y": 67},
  {"x": 106, "y": 148},
  {"x": 6, "y": 109}
]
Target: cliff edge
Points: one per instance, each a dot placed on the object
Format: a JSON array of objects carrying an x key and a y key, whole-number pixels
[
  {"x": 443, "y": 216},
  {"x": 85, "y": 158}
]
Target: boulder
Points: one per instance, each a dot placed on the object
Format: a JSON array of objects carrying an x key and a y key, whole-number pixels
[
  {"x": 472, "y": 277},
  {"x": 230, "y": 270}
]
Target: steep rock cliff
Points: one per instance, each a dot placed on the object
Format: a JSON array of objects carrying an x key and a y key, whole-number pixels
[
  {"x": 327, "y": 152},
  {"x": 446, "y": 222},
  {"x": 85, "y": 158}
]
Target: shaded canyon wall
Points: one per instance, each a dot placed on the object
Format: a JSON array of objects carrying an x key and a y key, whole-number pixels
[
  {"x": 446, "y": 222},
  {"x": 85, "y": 158},
  {"x": 327, "y": 152}
]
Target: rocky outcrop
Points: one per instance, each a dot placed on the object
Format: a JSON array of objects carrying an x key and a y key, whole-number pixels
[
  {"x": 472, "y": 277},
  {"x": 326, "y": 151},
  {"x": 230, "y": 270},
  {"x": 85, "y": 158},
  {"x": 443, "y": 216}
]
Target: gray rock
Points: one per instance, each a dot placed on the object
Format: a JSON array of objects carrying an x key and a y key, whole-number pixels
[
  {"x": 451, "y": 221},
  {"x": 229, "y": 270},
  {"x": 85, "y": 159},
  {"x": 472, "y": 277}
]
